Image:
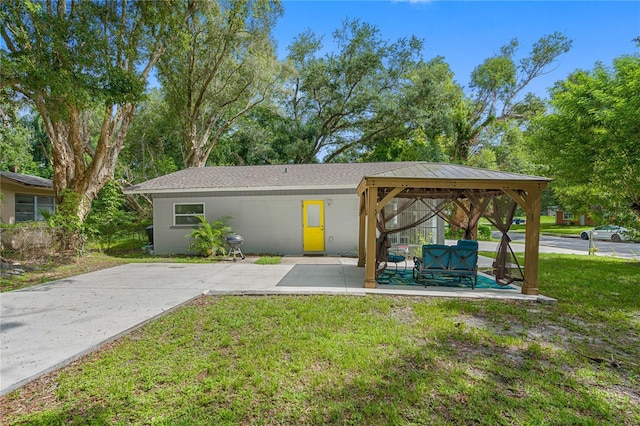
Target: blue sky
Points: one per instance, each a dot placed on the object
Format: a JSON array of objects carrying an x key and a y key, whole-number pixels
[{"x": 467, "y": 32}]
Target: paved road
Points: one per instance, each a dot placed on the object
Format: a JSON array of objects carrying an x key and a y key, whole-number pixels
[{"x": 626, "y": 249}]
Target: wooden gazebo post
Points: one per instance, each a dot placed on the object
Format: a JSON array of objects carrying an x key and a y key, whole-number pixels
[
  {"x": 362, "y": 227},
  {"x": 531, "y": 203},
  {"x": 532, "y": 242},
  {"x": 370, "y": 261}
]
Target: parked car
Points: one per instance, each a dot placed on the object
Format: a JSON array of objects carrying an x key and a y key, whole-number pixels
[
  {"x": 607, "y": 232},
  {"x": 519, "y": 221}
]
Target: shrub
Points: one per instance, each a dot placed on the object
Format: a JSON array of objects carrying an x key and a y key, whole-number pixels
[
  {"x": 30, "y": 241},
  {"x": 208, "y": 239},
  {"x": 268, "y": 260},
  {"x": 453, "y": 233},
  {"x": 71, "y": 232},
  {"x": 108, "y": 219},
  {"x": 484, "y": 233}
]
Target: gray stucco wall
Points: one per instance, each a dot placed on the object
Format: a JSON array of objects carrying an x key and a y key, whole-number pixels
[{"x": 270, "y": 224}]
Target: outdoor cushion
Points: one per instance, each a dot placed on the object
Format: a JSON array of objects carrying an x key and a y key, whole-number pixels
[
  {"x": 463, "y": 259},
  {"x": 435, "y": 256},
  {"x": 395, "y": 258},
  {"x": 473, "y": 244}
]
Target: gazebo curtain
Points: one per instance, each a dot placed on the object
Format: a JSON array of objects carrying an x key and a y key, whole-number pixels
[
  {"x": 472, "y": 205},
  {"x": 498, "y": 209},
  {"x": 506, "y": 267},
  {"x": 382, "y": 243}
]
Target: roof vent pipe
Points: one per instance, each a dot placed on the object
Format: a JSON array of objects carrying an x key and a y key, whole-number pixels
[{"x": 285, "y": 170}]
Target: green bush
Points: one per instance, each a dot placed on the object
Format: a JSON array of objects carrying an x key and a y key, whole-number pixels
[
  {"x": 268, "y": 260},
  {"x": 208, "y": 239},
  {"x": 422, "y": 240},
  {"x": 484, "y": 233},
  {"x": 109, "y": 220},
  {"x": 453, "y": 234}
]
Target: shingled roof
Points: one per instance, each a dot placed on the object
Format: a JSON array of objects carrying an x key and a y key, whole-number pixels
[
  {"x": 27, "y": 180},
  {"x": 303, "y": 176}
]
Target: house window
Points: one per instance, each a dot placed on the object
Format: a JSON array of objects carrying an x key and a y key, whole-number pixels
[
  {"x": 567, "y": 216},
  {"x": 33, "y": 207},
  {"x": 187, "y": 214}
]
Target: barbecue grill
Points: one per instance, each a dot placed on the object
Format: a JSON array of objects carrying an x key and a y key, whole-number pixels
[{"x": 235, "y": 241}]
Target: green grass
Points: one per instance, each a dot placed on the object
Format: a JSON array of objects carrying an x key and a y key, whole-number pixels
[
  {"x": 368, "y": 360},
  {"x": 268, "y": 260},
  {"x": 547, "y": 226},
  {"x": 556, "y": 229}
]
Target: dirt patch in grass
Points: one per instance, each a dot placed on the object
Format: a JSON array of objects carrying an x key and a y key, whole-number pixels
[{"x": 404, "y": 314}]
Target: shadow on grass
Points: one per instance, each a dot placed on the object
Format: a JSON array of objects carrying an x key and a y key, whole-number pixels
[{"x": 341, "y": 360}]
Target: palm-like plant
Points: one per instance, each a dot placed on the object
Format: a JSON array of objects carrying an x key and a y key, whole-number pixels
[{"x": 209, "y": 238}]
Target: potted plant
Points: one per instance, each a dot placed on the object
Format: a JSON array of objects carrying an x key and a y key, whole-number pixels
[{"x": 208, "y": 239}]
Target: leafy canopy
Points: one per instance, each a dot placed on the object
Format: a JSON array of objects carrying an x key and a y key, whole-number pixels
[{"x": 591, "y": 139}]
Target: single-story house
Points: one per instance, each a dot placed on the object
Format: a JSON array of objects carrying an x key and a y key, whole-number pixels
[
  {"x": 277, "y": 209},
  {"x": 564, "y": 217},
  {"x": 24, "y": 197},
  {"x": 312, "y": 209}
]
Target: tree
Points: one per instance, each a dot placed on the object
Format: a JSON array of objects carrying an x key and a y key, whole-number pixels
[
  {"x": 108, "y": 217},
  {"x": 496, "y": 86},
  {"x": 15, "y": 146},
  {"x": 220, "y": 67},
  {"x": 339, "y": 104},
  {"x": 153, "y": 146},
  {"x": 258, "y": 139},
  {"x": 368, "y": 100},
  {"x": 428, "y": 100},
  {"x": 83, "y": 66},
  {"x": 591, "y": 139}
]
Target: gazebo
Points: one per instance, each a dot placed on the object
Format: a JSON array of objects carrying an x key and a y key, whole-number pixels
[{"x": 471, "y": 192}]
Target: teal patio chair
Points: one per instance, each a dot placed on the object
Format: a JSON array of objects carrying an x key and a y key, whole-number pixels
[
  {"x": 464, "y": 261},
  {"x": 390, "y": 257},
  {"x": 435, "y": 260}
]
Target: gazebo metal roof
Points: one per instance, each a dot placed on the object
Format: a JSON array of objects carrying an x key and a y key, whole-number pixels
[{"x": 443, "y": 171}]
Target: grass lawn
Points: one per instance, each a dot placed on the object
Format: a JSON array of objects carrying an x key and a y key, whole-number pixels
[
  {"x": 368, "y": 360},
  {"x": 547, "y": 226}
]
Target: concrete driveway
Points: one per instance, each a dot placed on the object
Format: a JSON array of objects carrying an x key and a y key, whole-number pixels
[{"x": 45, "y": 327}]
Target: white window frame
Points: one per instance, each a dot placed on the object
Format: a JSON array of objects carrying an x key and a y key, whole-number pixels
[
  {"x": 186, "y": 214},
  {"x": 567, "y": 215},
  {"x": 37, "y": 216}
]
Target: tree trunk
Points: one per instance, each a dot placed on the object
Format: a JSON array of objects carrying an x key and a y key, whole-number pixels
[{"x": 78, "y": 165}]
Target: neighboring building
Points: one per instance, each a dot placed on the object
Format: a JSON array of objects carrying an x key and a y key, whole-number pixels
[
  {"x": 281, "y": 209},
  {"x": 564, "y": 217},
  {"x": 25, "y": 197}
]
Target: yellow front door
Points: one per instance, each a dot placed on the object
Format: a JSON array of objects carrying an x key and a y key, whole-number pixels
[{"x": 313, "y": 225}]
